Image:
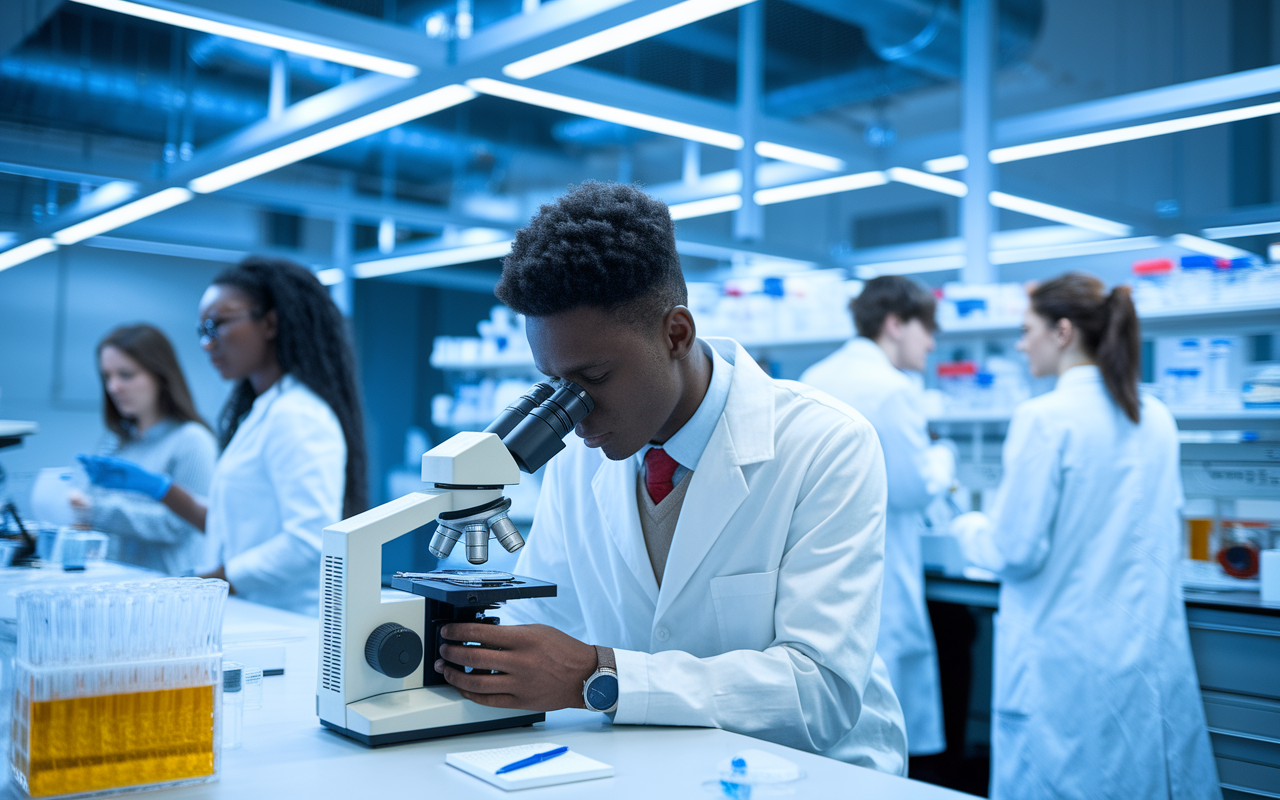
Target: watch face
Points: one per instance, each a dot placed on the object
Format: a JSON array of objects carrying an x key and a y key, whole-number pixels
[{"x": 602, "y": 692}]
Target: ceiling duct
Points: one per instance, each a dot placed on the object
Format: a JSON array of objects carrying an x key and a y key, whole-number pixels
[{"x": 925, "y": 35}]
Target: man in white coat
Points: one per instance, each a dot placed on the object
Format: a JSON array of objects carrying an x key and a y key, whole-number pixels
[
  {"x": 716, "y": 535},
  {"x": 894, "y": 317}
]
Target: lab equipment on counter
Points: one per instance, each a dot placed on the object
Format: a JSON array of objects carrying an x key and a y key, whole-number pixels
[
  {"x": 232, "y": 704},
  {"x": 118, "y": 687},
  {"x": 755, "y": 773},
  {"x": 1262, "y": 389},
  {"x": 568, "y": 767},
  {"x": 1239, "y": 544},
  {"x": 374, "y": 684}
]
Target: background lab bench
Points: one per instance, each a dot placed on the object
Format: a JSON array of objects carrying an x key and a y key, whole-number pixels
[{"x": 1235, "y": 640}]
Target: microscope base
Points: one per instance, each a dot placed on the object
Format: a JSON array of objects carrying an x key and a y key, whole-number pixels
[{"x": 427, "y": 713}]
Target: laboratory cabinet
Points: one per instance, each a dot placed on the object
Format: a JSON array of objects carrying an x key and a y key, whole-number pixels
[{"x": 1235, "y": 641}]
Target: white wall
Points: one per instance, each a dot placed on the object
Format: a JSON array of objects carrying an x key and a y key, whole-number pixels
[{"x": 53, "y": 312}]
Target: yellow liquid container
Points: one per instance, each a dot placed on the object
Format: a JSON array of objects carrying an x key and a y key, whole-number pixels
[
  {"x": 114, "y": 741},
  {"x": 117, "y": 688}
]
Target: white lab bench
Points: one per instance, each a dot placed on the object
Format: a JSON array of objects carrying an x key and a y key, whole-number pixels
[
  {"x": 286, "y": 753},
  {"x": 1235, "y": 640}
]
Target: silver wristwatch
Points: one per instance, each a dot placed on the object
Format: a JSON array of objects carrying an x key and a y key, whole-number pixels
[{"x": 600, "y": 691}]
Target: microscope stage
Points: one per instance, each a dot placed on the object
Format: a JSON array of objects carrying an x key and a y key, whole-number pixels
[{"x": 446, "y": 591}]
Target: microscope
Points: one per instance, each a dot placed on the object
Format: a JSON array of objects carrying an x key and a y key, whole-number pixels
[{"x": 376, "y": 681}]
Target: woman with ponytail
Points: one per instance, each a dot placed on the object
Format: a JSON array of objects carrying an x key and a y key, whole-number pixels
[
  {"x": 1095, "y": 690},
  {"x": 293, "y": 456}
]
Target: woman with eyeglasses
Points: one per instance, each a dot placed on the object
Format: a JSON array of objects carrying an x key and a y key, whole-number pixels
[
  {"x": 148, "y": 411},
  {"x": 293, "y": 457}
]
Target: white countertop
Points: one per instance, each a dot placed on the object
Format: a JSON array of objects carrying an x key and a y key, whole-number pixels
[{"x": 286, "y": 753}]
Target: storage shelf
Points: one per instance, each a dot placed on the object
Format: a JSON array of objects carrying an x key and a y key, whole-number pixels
[
  {"x": 1242, "y": 419},
  {"x": 526, "y": 365},
  {"x": 1235, "y": 314}
]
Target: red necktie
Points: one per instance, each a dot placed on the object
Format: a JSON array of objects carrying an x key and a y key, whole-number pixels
[{"x": 659, "y": 467}]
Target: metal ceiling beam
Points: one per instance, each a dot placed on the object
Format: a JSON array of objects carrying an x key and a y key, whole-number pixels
[
  {"x": 324, "y": 203},
  {"x": 647, "y": 98},
  {"x": 1232, "y": 90},
  {"x": 319, "y": 25}
]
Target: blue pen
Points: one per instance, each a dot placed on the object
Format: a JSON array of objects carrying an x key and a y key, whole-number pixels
[{"x": 536, "y": 758}]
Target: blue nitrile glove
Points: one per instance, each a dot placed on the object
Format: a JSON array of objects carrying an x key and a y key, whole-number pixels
[{"x": 116, "y": 473}]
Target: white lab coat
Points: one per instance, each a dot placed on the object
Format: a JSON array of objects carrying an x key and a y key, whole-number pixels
[
  {"x": 275, "y": 488},
  {"x": 766, "y": 620},
  {"x": 1095, "y": 690},
  {"x": 860, "y": 374}
]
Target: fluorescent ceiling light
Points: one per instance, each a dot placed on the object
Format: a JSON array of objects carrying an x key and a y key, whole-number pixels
[
  {"x": 117, "y": 217},
  {"x": 1066, "y": 144},
  {"x": 433, "y": 258},
  {"x": 25, "y": 252},
  {"x": 797, "y": 156},
  {"x": 329, "y": 138},
  {"x": 843, "y": 183},
  {"x": 331, "y": 276},
  {"x": 1059, "y": 214},
  {"x": 910, "y": 265},
  {"x": 707, "y": 207},
  {"x": 947, "y": 164},
  {"x": 621, "y": 116},
  {"x": 636, "y": 30},
  {"x": 1236, "y": 231},
  {"x": 1215, "y": 249},
  {"x": 924, "y": 180},
  {"x": 275, "y": 41},
  {"x": 1048, "y": 252}
]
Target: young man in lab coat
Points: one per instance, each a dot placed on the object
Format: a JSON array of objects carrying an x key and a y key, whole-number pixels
[
  {"x": 716, "y": 535},
  {"x": 894, "y": 317}
]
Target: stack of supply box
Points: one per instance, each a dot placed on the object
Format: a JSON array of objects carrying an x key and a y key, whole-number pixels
[{"x": 118, "y": 687}]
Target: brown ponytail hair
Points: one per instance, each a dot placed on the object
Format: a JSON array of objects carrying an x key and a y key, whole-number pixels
[
  {"x": 149, "y": 347},
  {"x": 1108, "y": 326}
]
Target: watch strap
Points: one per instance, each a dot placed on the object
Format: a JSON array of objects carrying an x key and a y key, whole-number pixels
[{"x": 605, "y": 659}]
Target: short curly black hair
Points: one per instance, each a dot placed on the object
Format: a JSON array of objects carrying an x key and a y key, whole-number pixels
[{"x": 607, "y": 245}]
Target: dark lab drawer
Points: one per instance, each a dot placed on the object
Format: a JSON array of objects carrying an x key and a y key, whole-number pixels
[
  {"x": 1248, "y": 779},
  {"x": 1254, "y": 716},
  {"x": 1236, "y": 652}
]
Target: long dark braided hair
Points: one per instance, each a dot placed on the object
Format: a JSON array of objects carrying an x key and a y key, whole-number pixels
[{"x": 312, "y": 346}]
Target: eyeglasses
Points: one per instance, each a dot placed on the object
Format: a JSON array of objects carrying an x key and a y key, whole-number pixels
[{"x": 210, "y": 330}]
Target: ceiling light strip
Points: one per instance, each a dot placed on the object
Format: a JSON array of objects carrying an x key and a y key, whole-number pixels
[
  {"x": 1237, "y": 231},
  {"x": 123, "y": 215},
  {"x": 795, "y": 155},
  {"x": 1198, "y": 245},
  {"x": 818, "y": 188},
  {"x": 947, "y": 164},
  {"x": 621, "y": 116},
  {"x": 275, "y": 41},
  {"x": 1035, "y": 208},
  {"x": 25, "y": 252},
  {"x": 604, "y": 41},
  {"x": 1066, "y": 144},
  {"x": 433, "y": 258},
  {"x": 707, "y": 207},
  {"x": 924, "y": 180},
  {"x": 329, "y": 138}
]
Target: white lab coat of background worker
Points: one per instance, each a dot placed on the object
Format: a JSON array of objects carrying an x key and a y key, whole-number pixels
[
  {"x": 766, "y": 619},
  {"x": 277, "y": 485},
  {"x": 1095, "y": 692},
  {"x": 861, "y": 374},
  {"x": 895, "y": 317}
]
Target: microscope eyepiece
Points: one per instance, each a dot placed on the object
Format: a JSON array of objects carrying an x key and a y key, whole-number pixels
[
  {"x": 536, "y": 438},
  {"x": 518, "y": 410}
]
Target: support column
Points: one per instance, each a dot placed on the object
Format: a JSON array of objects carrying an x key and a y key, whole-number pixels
[
  {"x": 343, "y": 292},
  {"x": 278, "y": 100},
  {"x": 748, "y": 221},
  {"x": 977, "y": 83}
]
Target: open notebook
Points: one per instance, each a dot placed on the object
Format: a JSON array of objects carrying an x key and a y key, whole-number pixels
[{"x": 567, "y": 768}]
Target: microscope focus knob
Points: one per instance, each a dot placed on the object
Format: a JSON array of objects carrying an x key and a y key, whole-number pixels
[{"x": 393, "y": 650}]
